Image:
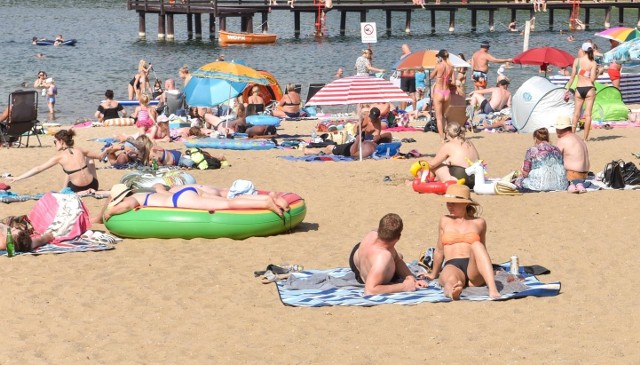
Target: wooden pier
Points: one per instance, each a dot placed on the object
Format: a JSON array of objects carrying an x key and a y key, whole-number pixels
[{"x": 246, "y": 10}]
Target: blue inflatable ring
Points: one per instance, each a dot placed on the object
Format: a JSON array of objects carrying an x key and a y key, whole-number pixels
[{"x": 263, "y": 120}]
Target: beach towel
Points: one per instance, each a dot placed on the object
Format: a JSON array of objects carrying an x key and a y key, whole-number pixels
[
  {"x": 76, "y": 245},
  {"x": 318, "y": 158},
  {"x": 11, "y": 197},
  {"x": 65, "y": 215},
  {"x": 319, "y": 288},
  {"x": 403, "y": 129}
]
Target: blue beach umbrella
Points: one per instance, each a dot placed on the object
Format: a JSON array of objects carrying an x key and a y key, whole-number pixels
[
  {"x": 208, "y": 92},
  {"x": 627, "y": 53}
]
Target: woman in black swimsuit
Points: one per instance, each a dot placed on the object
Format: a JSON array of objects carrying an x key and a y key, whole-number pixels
[
  {"x": 77, "y": 163},
  {"x": 289, "y": 105},
  {"x": 109, "y": 108}
]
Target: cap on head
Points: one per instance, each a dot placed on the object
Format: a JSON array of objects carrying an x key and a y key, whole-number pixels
[
  {"x": 374, "y": 113},
  {"x": 118, "y": 193},
  {"x": 563, "y": 122},
  {"x": 586, "y": 46},
  {"x": 485, "y": 44}
]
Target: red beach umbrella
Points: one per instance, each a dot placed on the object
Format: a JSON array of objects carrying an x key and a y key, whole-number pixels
[
  {"x": 358, "y": 90},
  {"x": 549, "y": 55}
]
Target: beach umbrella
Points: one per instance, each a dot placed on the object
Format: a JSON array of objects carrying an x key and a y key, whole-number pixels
[
  {"x": 627, "y": 52},
  {"x": 620, "y": 34},
  {"x": 207, "y": 92},
  {"x": 358, "y": 90},
  {"x": 231, "y": 71},
  {"x": 426, "y": 59},
  {"x": 545, "y": 56}
]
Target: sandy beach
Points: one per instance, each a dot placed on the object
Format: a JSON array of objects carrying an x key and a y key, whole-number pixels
[{"x": 154, "y": 301}]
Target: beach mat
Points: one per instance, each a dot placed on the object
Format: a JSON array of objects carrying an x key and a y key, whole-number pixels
[
  {"x": 318, "y": 158},
  {"x": 338, "y": 287},
  {"x": 76, "y": 245}
]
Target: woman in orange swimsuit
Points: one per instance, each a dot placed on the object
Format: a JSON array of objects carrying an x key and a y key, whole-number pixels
[
  {"x": 441, "y": 91},
  {"x": 586, "y": 69},
  {"x": 461, "y": 245}
]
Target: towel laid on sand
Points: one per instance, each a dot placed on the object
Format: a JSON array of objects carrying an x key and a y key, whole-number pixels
[
  {"x": 76, "y": 245},
  {"x": 319, "y": 288},
  {"x": 317, "y": 158}
]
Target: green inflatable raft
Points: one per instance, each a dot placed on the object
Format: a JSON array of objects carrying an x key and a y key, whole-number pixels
[{"x": 153, "y": 222}]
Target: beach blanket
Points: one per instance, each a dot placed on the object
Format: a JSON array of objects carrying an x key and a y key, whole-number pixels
[
  {"x": 318, "y": 158},
  {"x": 76, "y": 245},
  {"x": 11, "y": 197},
  {"x": 319, "y": 288},
  {"x": 403, "y": 129}
]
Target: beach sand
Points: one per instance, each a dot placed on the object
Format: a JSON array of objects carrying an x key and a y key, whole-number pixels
[{"x": 197, "y": 302}]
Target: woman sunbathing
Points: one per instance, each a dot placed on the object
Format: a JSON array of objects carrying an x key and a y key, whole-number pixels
[
  {"x": 462, "y": 247},
  {"x": 452, "y": 157},
  {"x": 123, "y": 199}
]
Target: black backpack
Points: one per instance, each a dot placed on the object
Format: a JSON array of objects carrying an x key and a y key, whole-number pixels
[
  {"x": 631, "y": 174},
  {"x": 613, "y": 174}
]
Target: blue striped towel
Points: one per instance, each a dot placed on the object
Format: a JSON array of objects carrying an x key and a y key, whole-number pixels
[
  {"x": 77, "y": 245},
  {"x": 339, "y": 287}
]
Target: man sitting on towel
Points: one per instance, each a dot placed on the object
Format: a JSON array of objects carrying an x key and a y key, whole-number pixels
[{"x": 378, "y": 265}]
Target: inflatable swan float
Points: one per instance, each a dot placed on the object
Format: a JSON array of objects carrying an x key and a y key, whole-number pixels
[{"x": 482, "y": 187}]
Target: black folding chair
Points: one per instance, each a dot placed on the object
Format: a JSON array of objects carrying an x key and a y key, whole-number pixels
[
  {"x": 23, "y": 118},
  {"x": 313, "y": 89}
]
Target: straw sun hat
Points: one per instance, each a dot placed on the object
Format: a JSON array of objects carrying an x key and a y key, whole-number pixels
[
  {"x": 458, "y": 194},
  {"x": 118, "y": 193}
]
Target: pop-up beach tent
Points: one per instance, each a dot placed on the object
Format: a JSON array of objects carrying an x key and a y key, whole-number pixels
[
  {"x": 537, "y": 104},
  {"x": 609, "y": 106}
]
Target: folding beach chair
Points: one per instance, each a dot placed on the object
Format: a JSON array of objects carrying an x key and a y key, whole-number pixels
[
  {"x": 313, "y": 89},
  {"x": 175, "y": 104},
  {"x": 23, "y": 118},
  {"x": 457, "y": 111}
]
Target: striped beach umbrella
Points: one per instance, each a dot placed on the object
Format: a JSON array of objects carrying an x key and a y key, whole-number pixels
[
  {"x": 620, "y": 34},
  {"x": 358, "y": 90}
]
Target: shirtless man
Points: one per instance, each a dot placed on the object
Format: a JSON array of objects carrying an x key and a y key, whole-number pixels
[
  {"x": 500, "y": 97},
  {"x": 372, "y": 127},
  {"x": 408, "y": 80},
  {"x": 574, "y": 154},
  {"x": 350, "y": 149},
  {"x": 378, "y": 265},
  {"x": 480, "y": 65}
]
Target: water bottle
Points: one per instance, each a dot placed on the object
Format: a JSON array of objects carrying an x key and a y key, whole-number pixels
[
  {"x": 154, "y": 165},
  {"x": 11, "y": 248}
]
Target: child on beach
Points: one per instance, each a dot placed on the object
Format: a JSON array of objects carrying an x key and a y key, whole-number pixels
[
  {"x": 52, "y": 91},
  {"x": 146, "y": 117}
]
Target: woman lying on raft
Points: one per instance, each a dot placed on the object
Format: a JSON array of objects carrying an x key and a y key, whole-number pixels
[
  {"x": 123, "y": 199},
  {"x": 452, "y": 157},
  {"x": 462, "y": 247}
]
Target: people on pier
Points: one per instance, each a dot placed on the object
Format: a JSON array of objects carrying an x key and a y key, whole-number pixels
[{"x": 480, "y": 65}]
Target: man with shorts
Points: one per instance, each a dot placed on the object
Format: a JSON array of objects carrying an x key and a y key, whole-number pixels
[
  {"x": 575, "y": 154},
  {"x": 407, "y": 80},
  {"x": 376, "y": 263},
  {"x": 500, "y": 98},
  {"x": 480, "y": 65},
  {"x": 350, "y": 149}
]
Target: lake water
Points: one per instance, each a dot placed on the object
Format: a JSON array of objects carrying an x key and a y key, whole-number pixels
[{"x": 108, "y": 47}]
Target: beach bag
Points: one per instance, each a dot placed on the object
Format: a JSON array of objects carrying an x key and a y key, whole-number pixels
[
  {"x": 612, "y": 174},
  {"x": 631, "y": 174},
  {"x": 203, "y": 159}
]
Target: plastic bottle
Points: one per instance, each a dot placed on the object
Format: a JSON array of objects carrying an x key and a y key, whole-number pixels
[
  {"x": 11, "y": 248},
  {"x": 154, "y": 165}
]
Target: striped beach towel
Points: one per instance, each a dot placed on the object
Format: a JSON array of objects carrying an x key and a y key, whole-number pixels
[
  {"x": 76, "y": 245},
  {"x": 339, "y": 287}
]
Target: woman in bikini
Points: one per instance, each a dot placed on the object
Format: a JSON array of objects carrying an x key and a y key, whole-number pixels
[
  {"x": 441, "y": 90},
  {"x": 255, "y": 102},
  {"x": 77, "y": 163},
  {"x": 462, "y": 247},
  {"x": 146, "y": 117},
  {"x": 123, "y": 199},
  {"x": 453, "y": 156},
  {"x": 139, "y": 84},
  {"x": 586, "y": 70},
  {"x": 289, "y": 105}
]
